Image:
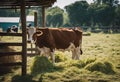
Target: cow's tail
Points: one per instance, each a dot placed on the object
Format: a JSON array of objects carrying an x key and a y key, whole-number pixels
[
  {"x": 81, "y": 52},
  {"x": 81, "y": 42}
]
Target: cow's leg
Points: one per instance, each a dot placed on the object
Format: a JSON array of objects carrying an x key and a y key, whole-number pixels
[
  {"x": 42, "y": 51},
  {"x": 72, "y": 49},
  {"x": 77, "y": 50},
  {"x": 73, "y": 54},
  {"x": 53, "y": 57},
  {"x": 47, "y": 52},
  {"x": 76, "y": 53}
]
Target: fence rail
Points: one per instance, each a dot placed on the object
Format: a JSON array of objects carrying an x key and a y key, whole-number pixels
[
  {"x": 10, "y": 34},
  {"x": 11, "y": 64},
  {"x": 9, "y": 53},
  {"x": 101, "y": 28},
  {"x": 10, "y": 44}
]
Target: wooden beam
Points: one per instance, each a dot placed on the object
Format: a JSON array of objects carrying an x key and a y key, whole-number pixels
[
  {"x": 24, "y": 37},
  {"x": 32, "y": 49},
  {"x": 28, "y": 3},
  {"x": 35, "y": 20},
  {"x": 9, "y": 53},
  {"x": 33, "y": 54},
  {"x": 10, "y": 64},
  {"x": 10, "y": 44},
  {"x": 43, "y": 17},
  {"x": 10, "y": 34}
]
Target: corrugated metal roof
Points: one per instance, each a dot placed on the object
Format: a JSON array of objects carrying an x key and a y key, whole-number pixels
[
  {"x": 17, "y": 3},
  {"x": 9, "y": 19}
]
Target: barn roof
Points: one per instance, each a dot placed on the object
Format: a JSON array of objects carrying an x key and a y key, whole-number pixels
[
  {"x": 17, "y": 3},
  {"x": 9, "y": 19}
]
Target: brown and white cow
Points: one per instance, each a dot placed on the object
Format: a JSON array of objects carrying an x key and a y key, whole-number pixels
[{"x": 49, "y": 39}]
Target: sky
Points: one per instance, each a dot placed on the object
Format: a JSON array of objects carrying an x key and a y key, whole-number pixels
[{"x": 63, "y": 3}]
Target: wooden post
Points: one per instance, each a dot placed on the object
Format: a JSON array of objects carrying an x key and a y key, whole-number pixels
[
  {"x": 35, "y": 20},
  {"x": 24, "y": 37},
  {"x": 35, "y": 25},
  {"x": 43, "y": 17}
]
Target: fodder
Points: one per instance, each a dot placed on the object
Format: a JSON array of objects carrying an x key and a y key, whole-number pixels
[
  {"x": 60, "y": 57},
  {"x": 104, "y": 67},
  {"x": 83, "y": 63},
  {"x": 41, "y": 64}
]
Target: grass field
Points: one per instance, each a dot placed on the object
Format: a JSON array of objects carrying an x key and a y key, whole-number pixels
[{"x": 100, "y": 62}]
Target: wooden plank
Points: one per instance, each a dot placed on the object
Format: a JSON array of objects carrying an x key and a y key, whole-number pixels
[
  {"x": 10, "y": 44},
  {"x": 35, "y": 20},
  {"x": 10, "y": 34},
  {"x": 32, "y": 49},
  {"x": 32, "y": 54},
  {"x": 24, "y": 38},
  {"x": 9, "y": 53},
  {"x": 43, "y": 17},
  {"x": 86, "y": 34},
  {"x": 11, "y": 64}
]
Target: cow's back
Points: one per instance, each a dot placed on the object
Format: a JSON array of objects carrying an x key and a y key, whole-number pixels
[{"x": 63, "y": 37}]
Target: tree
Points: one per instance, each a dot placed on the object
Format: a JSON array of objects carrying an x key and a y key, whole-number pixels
[
  {"x": 116, "y": 22},
  {"x": 108, "y": 2},
  {"x": 77, "y": 12},
  {"x": 54, "y": 17}
]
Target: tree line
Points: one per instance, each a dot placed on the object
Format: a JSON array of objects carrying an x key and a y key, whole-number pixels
[
  {"x": 101, "y": 13},
  {"x": 97, "y": 14}
]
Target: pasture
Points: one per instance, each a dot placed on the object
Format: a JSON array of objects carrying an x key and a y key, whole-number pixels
[{"x": 100, "y": 62}]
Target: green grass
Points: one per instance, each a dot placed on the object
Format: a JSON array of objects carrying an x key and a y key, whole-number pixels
[{"x": 100, "y": 62}]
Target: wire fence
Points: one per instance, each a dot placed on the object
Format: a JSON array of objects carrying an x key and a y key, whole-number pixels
[{"x": 105, "y": 29}]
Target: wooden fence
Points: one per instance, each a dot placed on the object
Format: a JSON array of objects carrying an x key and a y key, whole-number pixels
[{"x": 32, "y": 51}]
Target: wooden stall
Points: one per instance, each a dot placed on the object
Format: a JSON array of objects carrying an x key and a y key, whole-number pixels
[{"x": 22, "y": 5}]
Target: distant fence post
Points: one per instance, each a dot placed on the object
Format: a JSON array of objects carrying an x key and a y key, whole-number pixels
[{"x": 35, "y": 20}]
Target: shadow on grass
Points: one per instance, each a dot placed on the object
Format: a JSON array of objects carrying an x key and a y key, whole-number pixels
[
  {"x": 42, "y": 65},
  {"x": 26, "y": 78}
]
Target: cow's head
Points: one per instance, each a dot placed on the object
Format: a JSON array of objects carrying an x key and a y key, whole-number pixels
[
  {"x": 41, "y": 37},
  {"x": 37, "y": 34},
  {"x": 30, "y": 32}
]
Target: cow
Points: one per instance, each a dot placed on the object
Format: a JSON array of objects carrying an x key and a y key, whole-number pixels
[
  {"x": 13, "y": 29},
  {"x": 48, "y": 40}
]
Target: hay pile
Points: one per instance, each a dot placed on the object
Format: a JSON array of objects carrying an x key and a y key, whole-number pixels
[
  {"x": 60, "y": 57},
  {"x": 104, "y": 67},
  {"x": 40, "y": 65}
]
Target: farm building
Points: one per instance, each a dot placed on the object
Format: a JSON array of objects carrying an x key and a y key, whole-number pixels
[
  {"x": 22, "y": 5},
  {"x": 6, "y": 22},
  {"x": 30, "y": 19}
]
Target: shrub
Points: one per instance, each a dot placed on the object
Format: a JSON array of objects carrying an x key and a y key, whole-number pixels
[
  {"x": 104, "y": 67},
  {"x": 40, "y": 65}
]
